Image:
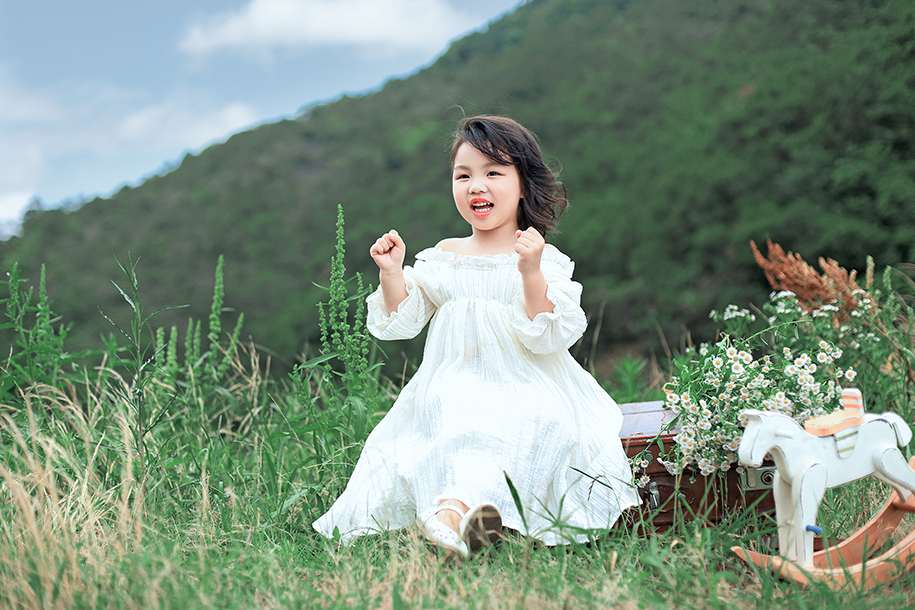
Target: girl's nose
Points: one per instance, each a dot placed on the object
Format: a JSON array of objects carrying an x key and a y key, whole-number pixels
[{"x": 477, "y": 186}]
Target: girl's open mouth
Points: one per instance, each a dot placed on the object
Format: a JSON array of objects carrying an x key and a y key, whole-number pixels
[{"x": 481, "y": 207}]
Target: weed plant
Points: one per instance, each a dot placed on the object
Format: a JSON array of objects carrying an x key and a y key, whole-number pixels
[
  {"x": 338, "y": 392},
  {"x": 36, "y": 352},
  {"x": 163, "y": 471}
]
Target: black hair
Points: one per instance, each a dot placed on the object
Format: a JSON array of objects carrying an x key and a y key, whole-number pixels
[{"x": 506, "y": 142}]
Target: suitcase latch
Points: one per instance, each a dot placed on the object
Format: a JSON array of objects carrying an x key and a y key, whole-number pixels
[
  {"x": 654, "y": 496},
  {"x": 757, "y": 478}
]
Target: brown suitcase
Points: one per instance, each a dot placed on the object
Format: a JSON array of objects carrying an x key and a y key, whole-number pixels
[{"x": 689, "y": 495}]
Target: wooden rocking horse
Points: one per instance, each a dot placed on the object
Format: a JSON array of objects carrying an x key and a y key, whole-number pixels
[{"x": 832, "y": 451}]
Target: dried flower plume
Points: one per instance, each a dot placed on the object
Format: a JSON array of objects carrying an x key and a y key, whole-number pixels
[{"x": 788, "y": 271}]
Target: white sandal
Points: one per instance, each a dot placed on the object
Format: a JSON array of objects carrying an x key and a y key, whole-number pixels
[
  {"x": 440, "y": 534},
  {"x": 481, "y": 526}
]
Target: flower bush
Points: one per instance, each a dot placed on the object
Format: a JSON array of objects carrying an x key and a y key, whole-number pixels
[
  {"x": 874, "y": 324},
  {"x": 720, "y": 381},
  {"x": 786, "y": 367},
  {"x": 817, "y": 334}
]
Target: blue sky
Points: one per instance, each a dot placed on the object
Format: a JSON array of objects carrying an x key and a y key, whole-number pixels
[{"x": 95, "y": 94}]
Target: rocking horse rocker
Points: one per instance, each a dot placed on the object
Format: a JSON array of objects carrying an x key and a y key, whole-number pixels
[{"x": 830, "y": 451}]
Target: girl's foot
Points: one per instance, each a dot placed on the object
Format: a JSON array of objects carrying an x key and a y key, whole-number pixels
[
  {"x": 452, "y": 518},
  {"x": 481, "y": 526},
  {"x": 440, "y": 534}
]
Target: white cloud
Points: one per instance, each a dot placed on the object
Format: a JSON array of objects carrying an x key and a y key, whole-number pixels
[
  {"x": 386, "y": 25},
  {"x": 181, "y": 122},
  {"x": 22, "y": 162},
  {"x": 12, "y": 206},
  {"x": 90, "y": 138},
  {"x": 20, "y": 105}
]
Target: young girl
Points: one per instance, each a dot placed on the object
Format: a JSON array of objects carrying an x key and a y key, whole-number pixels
[{"x": 497, "y": 394}]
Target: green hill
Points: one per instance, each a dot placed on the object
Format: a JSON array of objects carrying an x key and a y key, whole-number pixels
[{"x": 683, "y": 129}]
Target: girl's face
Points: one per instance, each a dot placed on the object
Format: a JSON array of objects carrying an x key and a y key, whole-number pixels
[{"x": 486, "y": 193}]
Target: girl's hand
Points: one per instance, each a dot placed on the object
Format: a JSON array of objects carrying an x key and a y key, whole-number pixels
[
  {"x": 529, "y": 248},
  {"x": 389, "y": 252}
]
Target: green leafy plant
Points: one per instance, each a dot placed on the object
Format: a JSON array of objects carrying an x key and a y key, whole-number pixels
[
  {"x": 634, "y": 379},
  {"x": 140, "y": 356},
  {"x": 339, "y": 388},
  {"x": 36, "y": 353},
  {"x": 206, "y": 363}
]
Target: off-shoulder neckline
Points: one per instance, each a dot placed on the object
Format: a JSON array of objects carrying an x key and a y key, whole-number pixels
[{"x": 487, "y": 260}]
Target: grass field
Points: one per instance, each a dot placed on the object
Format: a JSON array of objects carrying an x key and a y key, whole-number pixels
[
  {"x": 141, "y": 475},
  {"x": 218, "y": 516},
  {"x": 222, "y": 522}
]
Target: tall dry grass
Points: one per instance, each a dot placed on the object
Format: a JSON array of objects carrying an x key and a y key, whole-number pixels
[{"x": 73, "y": 512}]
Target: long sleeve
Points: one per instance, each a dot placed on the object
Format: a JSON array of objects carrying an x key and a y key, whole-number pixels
[
  {"x": 556, "y": 330},
  {"x": 409, "y": 318}
]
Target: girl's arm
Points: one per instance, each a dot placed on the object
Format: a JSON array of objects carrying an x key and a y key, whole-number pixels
[
  {"x": 529, "y": 247},
  {"x": 389, "y": 252}
]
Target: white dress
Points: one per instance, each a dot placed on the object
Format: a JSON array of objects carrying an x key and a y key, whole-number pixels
[{"x": 496, "y": 394}]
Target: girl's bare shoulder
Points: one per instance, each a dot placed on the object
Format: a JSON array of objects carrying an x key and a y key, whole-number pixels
[{"x": 455, "y": 245}]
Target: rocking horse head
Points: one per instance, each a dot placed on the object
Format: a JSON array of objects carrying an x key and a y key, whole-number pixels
[{"x": 765, "y": 430}]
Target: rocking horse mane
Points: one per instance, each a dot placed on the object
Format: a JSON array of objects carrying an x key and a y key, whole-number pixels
[
  {"x": 902, "y": 430},
  {"x": 778, "y": 421},
  {"x": 762, "y": 426}
]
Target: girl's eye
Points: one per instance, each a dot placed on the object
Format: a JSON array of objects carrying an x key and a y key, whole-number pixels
[
  {"x": 460, "y": 176},
  {"x": 493, "y": 173}
]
